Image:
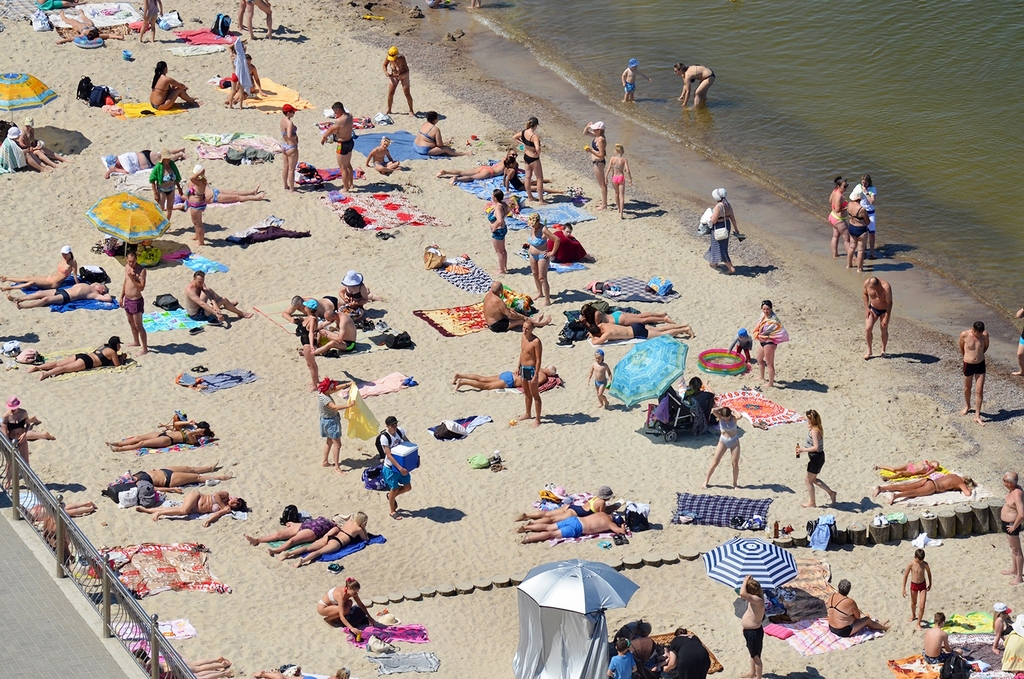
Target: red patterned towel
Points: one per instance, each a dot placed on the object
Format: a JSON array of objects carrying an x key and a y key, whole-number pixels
[
  {"x": 760, "y": 411},
  {"x": 382, "y": 211},
  {"x": 149, "y": 568}
]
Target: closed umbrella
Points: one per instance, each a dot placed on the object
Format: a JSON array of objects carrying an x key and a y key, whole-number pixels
[
  {"x": 648, "y": 370},
  {"x": 128, "y": 218},
  {"x": 21, "y": 91},
  {"x": 578, "y": 586},
  {"x": 732, "y": 561}
]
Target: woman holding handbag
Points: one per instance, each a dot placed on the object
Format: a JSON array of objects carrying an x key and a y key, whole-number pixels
[{"x": 723, "y": 223}]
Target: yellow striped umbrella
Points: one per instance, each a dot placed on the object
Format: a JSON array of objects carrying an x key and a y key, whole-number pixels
[
  {"x": 20, "y": 91},
  {"x": 128, "y": 218}
]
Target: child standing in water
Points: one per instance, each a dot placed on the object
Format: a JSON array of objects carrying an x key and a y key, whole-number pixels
[
  {"x": 920, "y": 576},
  {"x": 629, "y": 79},
  {"x": 618, "y": 170},
  {"x": 601, "y": 373}
]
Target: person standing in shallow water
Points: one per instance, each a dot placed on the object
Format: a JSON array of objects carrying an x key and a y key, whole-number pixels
[{"x": 692, "y": 74}]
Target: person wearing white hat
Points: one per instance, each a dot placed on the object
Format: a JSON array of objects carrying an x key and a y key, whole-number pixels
[
  {"x": 723, "y": 225},
  {"x": 1001, "y": 623},
  {"x": 195, "y": 202},
  {"x": 857, "y": 224},
  {"x": 68, "y": 268},
  {"x": 13, "y": 157},
  {"x": 354, "y": 295},
  {"x": 598, "y": 151}
]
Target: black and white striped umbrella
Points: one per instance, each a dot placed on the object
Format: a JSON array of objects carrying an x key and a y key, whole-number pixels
[{"x": 729, "y": 563}]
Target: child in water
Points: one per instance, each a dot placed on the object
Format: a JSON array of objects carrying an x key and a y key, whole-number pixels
[
  {"x": 629, "y": 79},
  {"x": 601, "y": 373}
]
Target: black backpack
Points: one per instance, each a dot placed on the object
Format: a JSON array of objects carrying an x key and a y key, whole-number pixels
[
  {"x": 955, "y": 667},
  {"x": 376, "y": 442},
  {"x": 93, "y": 276},
  {"x": 637, "y": 522},
  {"x": 113, "y": 490},
  {"x": 400, "y": 341},
  {"x": 167, "y": 302},
  {"x": 98, "y": 96},
  {"x": 353, "y": 218},
  {"x": 221, "y": 25},
  {"x": 84, "y": 88},
  {"x": 290, "y": 515}
]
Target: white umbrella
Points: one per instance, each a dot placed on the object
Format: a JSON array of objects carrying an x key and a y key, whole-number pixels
[
  {"x": 578, "y": 586},
  {"x": 732, "y": 561}
]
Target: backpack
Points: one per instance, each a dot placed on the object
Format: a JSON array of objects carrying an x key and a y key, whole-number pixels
[
  {"x": 400, "y": 341},
  {"x": 114, "y": 491},
  {"x": 955, "y": 667},
  {"x": 98, "y": 96},
  {"x": 373, "y": 478},
  {"x": 351, "y": 217},
  {"x": 290, "y": 515},
  {"x": 84, "y": 88},
  {"x": 812, "y": 526},
  {"x": 93, "y": 274},
  {"x": 221, "y": 25},
  {"x": 636, "y": 521},
  {"x": 380, "y": 450},
  {"x": 167, "y": 302}
]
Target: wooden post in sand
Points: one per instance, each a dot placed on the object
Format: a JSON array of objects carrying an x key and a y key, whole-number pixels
[
  {"x": 783, "y": 541},
  {"x": 947, "y": 522},
  {"x": 879, "y": 534},
  {"x": 982, "y": 518},
  {"x": 930, "y": 525},
  {"x": 912, "y": 528},
  {"x": 840, "y": 538},
  {"x": 800, "y": 538},
  {"x": 857, "y": 534},
  {"x": 995, "y": 506},
  {"x": 964, "y": 520}
]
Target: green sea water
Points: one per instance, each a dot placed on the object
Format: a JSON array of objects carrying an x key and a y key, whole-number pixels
[{"x": 924, "y": 96}]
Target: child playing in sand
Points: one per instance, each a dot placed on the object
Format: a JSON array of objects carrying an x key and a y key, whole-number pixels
[
  {"x": 742, "y": 344},
  {"x": 629, "y": 79},
  {"x": 920, "y": 576},
  {"x": 601, "y": 373}
]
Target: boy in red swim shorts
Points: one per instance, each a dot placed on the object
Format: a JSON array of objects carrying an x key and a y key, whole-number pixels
[{"x": 920, "y": 576}]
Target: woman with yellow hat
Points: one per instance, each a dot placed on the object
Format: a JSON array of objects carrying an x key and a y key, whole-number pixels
[{"x": 396, "y": 68}]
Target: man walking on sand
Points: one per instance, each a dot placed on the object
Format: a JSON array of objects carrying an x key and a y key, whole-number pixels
[
  {"x": 342, "y": 131},
  {"x": 877, "y": 308},
  {"x": 529, "y": 360},
  {"x": 1011, "y": 515},
  {"x": 131, "y": 298},
  {"x": 396, "y": 68},
  {"x": 753, "y": 633},
  {"x": 973, "y": 345}
]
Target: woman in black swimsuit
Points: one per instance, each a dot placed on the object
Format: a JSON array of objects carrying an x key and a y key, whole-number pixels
[
  {"x": 530, "y": 140},
  {"x": 105, "y": 356},
  {"x": 17, "y": 426},
  {"x": 187, "y": 433},
  {"x": 844, "y": 615},
  {"x": 176, "y": 477},
  {"x": 345, "y": 532}
]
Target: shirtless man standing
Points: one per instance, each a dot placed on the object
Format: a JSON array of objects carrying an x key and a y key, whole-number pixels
[
  {"x": 131, "y": 298},
  {"x": 396, "y": 68},
  {"x": 753, "y": 633},
  {"x": 1011, "y": 514},
  {"x": 502, "y": 319},
  {"x": 530, "y": 353},
  {"x": 342, "y": 131},
  {"x": 877, "y": 307},
  {"x": 973, "y": 345},
  {"x": 690, "y": 74},
  {"x": 603, "y": 333}
]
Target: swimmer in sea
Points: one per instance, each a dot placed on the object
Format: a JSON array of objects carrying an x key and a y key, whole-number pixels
[
  {"x": 629, "y": 80},
  {"x": 693, "y": 74}
]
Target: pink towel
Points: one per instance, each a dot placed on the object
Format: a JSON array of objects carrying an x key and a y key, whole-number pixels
[
  {"x": 204, "y": 36},
  {"x": 407, "y": 634},
  {"x": 385, "y": 385}
]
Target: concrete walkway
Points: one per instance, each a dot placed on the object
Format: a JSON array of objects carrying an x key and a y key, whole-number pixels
[{"x": 43, "y": 634}]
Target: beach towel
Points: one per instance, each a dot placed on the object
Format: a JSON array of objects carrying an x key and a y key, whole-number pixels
[
  {"x": 200, "y": 263},
  {"x": 584, "y": 538},
  {"x": 718, "y": 510},
  {"x": 977, "y": 647},
  {"x": 204, "y": 36},
  {"x": 388, "y": 384},
  {"x": 267, "y": 229},
  {"x": 276, "y": 96},
  {"x": 149, "y": 568},
  {"x": 455, "y": 321},
  {"x": 612, "y": 343},
  {"x": 163, "y": 321},
  {"x": 897, "y": 477},
  {"x": 635, "y": 290},
  {"x": 195, "y": 50},
  {"x": 146, "y": 110},
  {"x": 102, "y": 15},
  {"x": 555, "y": 266},
  {"x": 401, "y": 145},
  {"x": 361, "y": 422},
  {"x": 170, "y": 629},
  {"x": 394, "y": 634},
  {"x": 972, "y": 623},
  {"x": 209, "y": 384},
  {"x": 242, "y": 66},
  {"x": 238, "y": 142},
  {"x": 380, "y": 210},
  {"x": 11, "y": 156},
  {"x": 398, "y": 663},
  {"x": 88, "y": 304},
  {"x": 813, "y": 637},
  {"x": 554, "y": 213},
  {"x": 484, "y": 188},
  {"x": 952, "y": 497},
  {"x": 353, "y": 547},
  {"x": 476, "y": 280},
  {"x": 174, "y": 448},
  {"x": 757, "y": 409},
  {"x": 914, "y": 667},
  {"x": 56, "y": 356},
  {"x": 469, "y": 423}
]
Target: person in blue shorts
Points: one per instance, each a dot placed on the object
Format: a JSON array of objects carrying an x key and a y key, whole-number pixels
[
  {"x": 506, "y": 380},
  {"x": 395, "y": 475},
  {"x": 572, "y": 527}
]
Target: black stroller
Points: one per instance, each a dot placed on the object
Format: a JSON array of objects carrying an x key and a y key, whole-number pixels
[{"x": 673, "y": 414}]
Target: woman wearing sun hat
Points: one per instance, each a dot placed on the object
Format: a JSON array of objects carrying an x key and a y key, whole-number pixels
[
  {"x": 17, "y": 426},
  {"x": 354, "y": 295},
  {"x": 597, "y": 150},
  {"x": 396, "y": 68}
]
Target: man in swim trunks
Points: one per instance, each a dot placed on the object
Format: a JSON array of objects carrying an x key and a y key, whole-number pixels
[
  {"x": 341, "y": 128},
  {"x": 506, "y": 380},
  {"x": 203, "y": 303},
  {"x": 629, "y": 80},
  {"x": 844, "y": 615},
  {"x": 1011, "y": 515},
  {"x": 61, "y": 296},
  {"x": 571, "y": 527},
  {"x": 973, "y": 345},
  {"x": 596, "y": 504},
  {"x": 396, "y": 68},
  {"x": 340, "y": 336},
  {"x": 502, "y": 319},
  {"x": 131, "y": 297},
  {"x": 530, "y": 352},
  {"x": 603, "y": 333},
  {"x": 751, "y": 622},
  {"x": 936, "y": 483},
  {"x": 690, "y": 75},
  {"x": 877, "y": 307},
  {"x": 936, "y": 642}
]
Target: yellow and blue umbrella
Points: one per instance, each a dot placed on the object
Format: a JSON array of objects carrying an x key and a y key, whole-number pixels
[
  {"x": 20, "y": 91},
  {"x": 128, "y": 218},
  {"x": 648, "y": 370}
]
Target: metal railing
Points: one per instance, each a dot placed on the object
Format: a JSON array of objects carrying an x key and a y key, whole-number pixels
[{"x": 78, "y": 560}]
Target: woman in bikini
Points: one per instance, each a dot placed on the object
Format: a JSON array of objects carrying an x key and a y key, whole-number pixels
[
  {"x": 499, "y": 229},
  {"x": 729, "y": 439},
  {"x": 429, "y": 141},
  {"x": 814, "y": 446},
  {"x": 195, "y": 202},
  {"x": 597, "y": 150},
  {"x": 910, "y": 469},
  {"x": 165, "y": 179},
  {"x": 171, "y": 479},
  {"x": 354, "y": 295},
  {"x": 480, "y": 172},
  {"x": 345, "y": 532},
  {"x": 293, "y": 534},
  {"x": 67, "y": 267},
  {"x": 530, "y": 139},
  {"x": 84, "y": 29},
  {"x": 181, "y": 433},
  {"x": 838, "y": 215},
  {"x": 844, "y": 615},
  {"x": 106, "y": 356},
  {"x": 166, "y": 90},
  {"x": 215, "y": 505},
  {"x": 540, "y": 258},
  {"x": 290, "y": 144},
  {"x": 17, "y": 425},
  {"x": 618, "y": 170},
  {"x": 596, "y": 317},
  {"x": 511, "y": 172},
  {"x": 768, "y": 332},
  {"x": 342, "y": 604}
]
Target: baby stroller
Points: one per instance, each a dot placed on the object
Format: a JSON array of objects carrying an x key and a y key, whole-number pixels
[{"x": 673, "y": 414}]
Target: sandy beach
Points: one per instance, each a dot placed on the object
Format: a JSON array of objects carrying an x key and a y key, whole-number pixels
[{"x": 459, "y": 526}]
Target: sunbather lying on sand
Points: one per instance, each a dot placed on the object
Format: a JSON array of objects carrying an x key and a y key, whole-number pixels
[
  {"x": 73, "y": 293},
  {"x": 216, "y": 505},
  {"x": 505, "y": 380},
  {"x": 67, "y": 267},
  {"x": 105, "y": 356},
  {"x": 572, "y": 527},
  {"x": 610, "y": 332},
  {"x": 132, "y": 162},
  {"x": 223, "y": 197},
  {"x": 181, "y": 433},
  {"x": 295, "y": 534},
  {"x": 344, "y": 533},
  {"x": 595, "y": 505},
  {"x": 593, "y": 316},
  {"x": 937, "y": 483},
  {"x": 922, "y": 468},
  {"x": 171, "y": 479},
  {"x": 85, "y": 29},
  {"x": 212, "y": 668}
]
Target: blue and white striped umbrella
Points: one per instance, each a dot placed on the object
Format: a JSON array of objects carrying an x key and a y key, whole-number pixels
[{"x": 729, "y": 563}]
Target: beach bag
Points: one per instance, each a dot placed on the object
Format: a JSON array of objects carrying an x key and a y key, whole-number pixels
[
  {"x": 290, "y": 515},
  {"x": 704, "y": 227},
  {"x": 373, "y": 478},
  {"x": 722, "y": 232},
  {"x": 221, "y": 25},
  {"x": 98, "y": 96},
  {"x": 352, "y": 217},
  {"x": 28, "y": 356},
  {"x": 11, "y": 348},
  {"x": 955, "y": 667},
  {"x": 433, "y": 258},
  {"x": 637, "y": 517},
  {"x": 167, "y": 302},
  {"x": 114, "y": 491},
  {"x": 40, "y": 22},
  {"x": 93, "y": 274},
  {"x": 400, "y": 341},
  {"x": 479, "y": 462},
  {"x": 659, "y": 286},
  {"x": 375, "y": 645},
  {"x": 128, "y": 497},
  {"x": 169, "y": 21},
  {"x": 84, "y": 88},
  {"x": 450, "y": 430}
]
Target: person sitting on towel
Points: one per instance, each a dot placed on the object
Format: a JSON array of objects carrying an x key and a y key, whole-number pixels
[
  {"x": 354, "y": 295},
  {"x": 75, "y": 293},
  {"x": 936, "y": 642},
  {"x": 502, "y": 319},
  {"x": 603, "y": 333},
  {"x": 595, "y": 505},
  {"x": 214, "y": 505},
  {"x": 506, "y": 380},
  {"x": 572, "y": 527},
  {"x": 844, "y": 616},
  {"x": 132, "y": 162}
]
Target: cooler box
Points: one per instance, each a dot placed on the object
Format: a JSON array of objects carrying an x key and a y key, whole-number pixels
[{"x": 406, "y": 454}]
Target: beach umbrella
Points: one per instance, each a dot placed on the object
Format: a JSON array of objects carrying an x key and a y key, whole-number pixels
[
  {"x": 730, "y": 562},
  {"x": 578, "y": 586},
  {"x": 128, "y": 218},
  {"x": 20, "y": 91},
  {"x": 648, "y": 370}
]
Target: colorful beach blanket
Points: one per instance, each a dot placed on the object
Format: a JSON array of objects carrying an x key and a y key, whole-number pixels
[
  {"x": 396, "y": 634},
  {"x": 976, "y": 622},
  {"x": 275, "y": 96},
  {"x": 380, "y": 210},
  {"x": 145, "y": 110},
  {"x": 914, "y": 667},
  {"x": 87, "y": 304},
  {"x": 149, "y": 568},
  {"x": 389, "y": 384},
  {"x": 455, "y": 321},
  {"x": 208, "y": 384},
  {"x": 718, "y": 510},
  {"x": 476, "y": 280},
  {"x": 399, "y": 663},
  {"x": 897, "y": 477},
  {"x": 102, "y": 15},
  {"x": 484, "y": 188},
  {"x": 177, "y": 447},
  {"x": 757, "y": 409},
  {"x": 353, "y": 547},
  {"x": 169, "y": 629},
  {"x": 813, "y": 637},
  {"x": 401, "y": 147},
  {"x": 164, "y": 321},
  {"x": 635, "y": 290}
]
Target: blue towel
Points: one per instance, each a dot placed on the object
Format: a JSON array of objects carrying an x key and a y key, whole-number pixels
[
  {"x": 401, "y": 145},
  {"x": 555, "y": 266},
  {"x": 200, "y": 263},
  {"x": 822, "y": 533},
  {"x": 557, "y": 213},
  {"x": 91, "y": 304},
  {"x": 226, "y": 380},
  {"x": 352, "y": 548},
  {"x": 484, "y": 188}
]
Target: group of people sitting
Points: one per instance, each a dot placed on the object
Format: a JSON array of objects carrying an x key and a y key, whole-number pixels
[
  {"x": 22, "y": 151},
  {"x": 684, "y": 657}
]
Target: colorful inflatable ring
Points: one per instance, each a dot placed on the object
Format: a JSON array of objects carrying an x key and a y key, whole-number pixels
[
  {"x": 721, "y": 362},
  {"x": 87, "y": 44}
]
